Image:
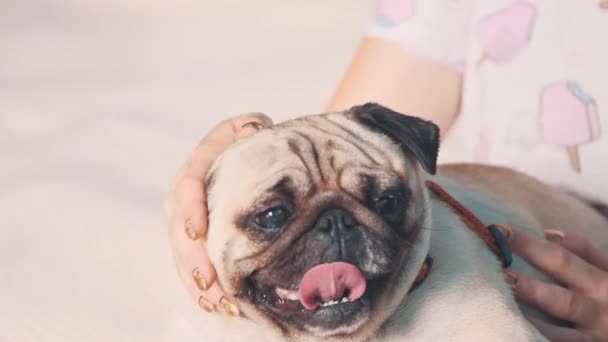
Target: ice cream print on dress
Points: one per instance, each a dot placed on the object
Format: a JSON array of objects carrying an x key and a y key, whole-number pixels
[
  {"x": 569, "y": 118},
  {"x": 393, "y": 12},
  {"x": 503, "y": 34},
  {"x": 483, "y": 147}
]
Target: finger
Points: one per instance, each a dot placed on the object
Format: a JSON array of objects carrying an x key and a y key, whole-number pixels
[
  {"x": 213, "y": 297},
  {"x": 188, "y": 191},
  {"x": 200, "y": 160},
  {"x": 195, "y": 224},
  {"x": 560, "y": 302},
  {"x": 247, "y": 124},
  {"x": 236, "y": 124},
  {"x": 557, "y": 262},
  {"x": 209, "y": 299},
  {"x": 193, "y": 264},
  {"x": 227, "y": 131},
  {"x": 217, "y": 140},
  {"x": 198, "y": 275},
  {"x": 578, "y": 245},
  {"x": 189, "y": 201},
  {"x": 558, "y": 334}
]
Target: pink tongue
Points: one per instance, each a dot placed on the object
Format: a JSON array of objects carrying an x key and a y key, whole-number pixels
[{"x": 326, "y": 282}]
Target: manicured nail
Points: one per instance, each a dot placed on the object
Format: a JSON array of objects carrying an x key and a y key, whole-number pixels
[
  {"x": 254, "y": 125},
  {"x": 229, "y": 307},
  {"x": 554, "y": 235},
  {"x": 511, "y": 279},
  {"x": 205, "y": 304},
  {"x": 192, "y": 234},
  {"x": 199, "y": 279},
  {"x": 507, "y": 232}
]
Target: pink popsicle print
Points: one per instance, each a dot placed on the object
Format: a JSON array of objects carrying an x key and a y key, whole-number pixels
[
  {"x": 569, "y": 118},
  {"x": 393, "y": 12},
  {"x": 503, "y": 34}
]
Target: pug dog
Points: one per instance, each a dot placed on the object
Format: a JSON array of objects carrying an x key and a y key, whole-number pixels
[{"x": 321, "y": 227}]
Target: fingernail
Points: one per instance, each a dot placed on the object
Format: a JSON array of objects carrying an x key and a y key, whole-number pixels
[
  {"x": 229, "y": 307},
  {"x": 199, "y": 279},
  {"x": 554, "y": 235},
  {"x": 507, "y": 232},
  {"x": 511, "y": 279},
  {"x": 192, "y": 234},
  {"x": 254, "y": 125},
  {"x": 205, "y": 304}
]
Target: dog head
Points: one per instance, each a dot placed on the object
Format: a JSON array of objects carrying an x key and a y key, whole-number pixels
[{"x": 315, "y": 224}]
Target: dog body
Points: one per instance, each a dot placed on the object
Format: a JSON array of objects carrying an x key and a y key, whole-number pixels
[
  {"x": 465, "y": 297},
  {"x": 320, "y": 226}
]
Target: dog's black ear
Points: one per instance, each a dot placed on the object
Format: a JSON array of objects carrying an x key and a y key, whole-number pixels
[{"x": 415, "y": 136}]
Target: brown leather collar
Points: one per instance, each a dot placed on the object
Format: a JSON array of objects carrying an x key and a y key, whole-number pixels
[
  {"x": 491, "y": 235},
  {"x": 423, "y": 273}
]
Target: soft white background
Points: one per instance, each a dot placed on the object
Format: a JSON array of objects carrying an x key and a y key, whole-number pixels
[{"x": 100, "y": 101}]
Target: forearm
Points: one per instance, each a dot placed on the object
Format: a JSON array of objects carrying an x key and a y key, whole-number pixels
[{"x": 383, "y": 72}]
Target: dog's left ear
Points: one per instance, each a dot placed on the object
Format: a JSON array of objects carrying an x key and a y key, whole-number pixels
[{"x": 415, "y": 136}]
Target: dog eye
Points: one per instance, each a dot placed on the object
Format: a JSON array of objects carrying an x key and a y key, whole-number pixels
[
  {"x": 386, "y": 205},
  {"x": 272, "y": 219}
]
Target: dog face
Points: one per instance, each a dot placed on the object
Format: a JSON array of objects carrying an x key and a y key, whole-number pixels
[{"x": 315, "y": 224}]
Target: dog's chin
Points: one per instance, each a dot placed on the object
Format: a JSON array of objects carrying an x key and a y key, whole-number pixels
[{"x": 339, "y": 317}]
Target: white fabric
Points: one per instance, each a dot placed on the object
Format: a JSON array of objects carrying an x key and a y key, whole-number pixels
[{"x": 535, "y": 79}]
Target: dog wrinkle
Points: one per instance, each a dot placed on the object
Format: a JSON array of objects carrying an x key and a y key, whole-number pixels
[
  {"x": 346, "y": 139},
  {"x": 318, "y": 177}
]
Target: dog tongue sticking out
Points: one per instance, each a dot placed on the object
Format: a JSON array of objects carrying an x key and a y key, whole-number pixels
[{"x": 331, "y": 283}]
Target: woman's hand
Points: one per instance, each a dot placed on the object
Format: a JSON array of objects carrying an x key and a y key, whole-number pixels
[
  {"x": 573, "y": 261},
  {"x": 186, "y": 210}
]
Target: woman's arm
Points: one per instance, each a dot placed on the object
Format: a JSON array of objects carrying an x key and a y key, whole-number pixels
[{"x": 383, "y": 71}]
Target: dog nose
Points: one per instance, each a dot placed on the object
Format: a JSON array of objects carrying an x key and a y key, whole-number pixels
[{"x": 338, "y": 224}]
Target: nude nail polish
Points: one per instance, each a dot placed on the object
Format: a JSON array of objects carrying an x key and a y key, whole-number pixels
[
  {"x": 254, "y": 125},
  {"x": 511, "y": 279},
  {"x": 192, "y": 234},
  {"x": 554, "y": 235}
]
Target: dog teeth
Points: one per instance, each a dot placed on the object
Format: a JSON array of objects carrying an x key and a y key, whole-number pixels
[
  {"x": 334, "y": 302},
  {"x": 293, "y": 295},
  {"x": 287, "y": 294}
]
